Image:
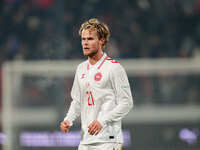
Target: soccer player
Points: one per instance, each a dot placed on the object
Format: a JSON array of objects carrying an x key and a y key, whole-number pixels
[{"x": 101, "y": 92}]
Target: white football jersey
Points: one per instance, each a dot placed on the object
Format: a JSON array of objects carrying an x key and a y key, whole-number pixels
[{"x": 100, "y": 92}]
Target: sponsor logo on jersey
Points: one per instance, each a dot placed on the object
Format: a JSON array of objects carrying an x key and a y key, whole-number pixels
[
  {"x": 98, "y": 76},
  {"x": 82, "y": 76}
]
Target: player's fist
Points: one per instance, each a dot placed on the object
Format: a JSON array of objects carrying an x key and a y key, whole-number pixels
[
  {"x": 64, "y": 126},
  {"x": 94, "y": 128}
]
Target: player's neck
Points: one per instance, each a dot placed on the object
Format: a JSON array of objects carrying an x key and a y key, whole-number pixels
[{"x": 95, "y": 58}]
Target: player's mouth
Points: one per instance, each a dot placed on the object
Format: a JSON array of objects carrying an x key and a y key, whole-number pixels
[{"x": 86, "y": 48}]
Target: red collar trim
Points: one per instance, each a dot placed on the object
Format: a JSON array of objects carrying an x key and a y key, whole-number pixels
[
  {"x": 88, "y": 66},
  {"x": 102, "y": 62}
]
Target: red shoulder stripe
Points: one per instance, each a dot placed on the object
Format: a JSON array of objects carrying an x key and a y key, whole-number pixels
[{"x": 112, "y": 60}]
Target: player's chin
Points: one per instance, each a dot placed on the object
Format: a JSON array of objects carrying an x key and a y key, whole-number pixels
[{"x": 86, "y": 53}]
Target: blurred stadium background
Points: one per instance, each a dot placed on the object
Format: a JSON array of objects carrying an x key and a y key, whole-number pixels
[{"x": 158, "y": 42}]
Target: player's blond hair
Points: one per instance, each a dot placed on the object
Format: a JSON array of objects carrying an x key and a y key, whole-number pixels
[{"x": 102, "y": 29}]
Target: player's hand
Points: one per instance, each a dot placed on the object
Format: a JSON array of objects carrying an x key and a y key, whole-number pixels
[
  {"x": 64, "y": 126},
  {"x": 94, "y": 128}
]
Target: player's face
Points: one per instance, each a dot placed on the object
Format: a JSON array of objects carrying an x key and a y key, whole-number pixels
[{"x": 90, "y": 42}]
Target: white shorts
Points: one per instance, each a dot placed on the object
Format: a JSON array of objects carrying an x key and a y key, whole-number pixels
[{"x": 100, "y": 146}]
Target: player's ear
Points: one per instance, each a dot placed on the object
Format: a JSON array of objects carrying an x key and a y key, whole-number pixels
[{"x": 102, "y": 41}]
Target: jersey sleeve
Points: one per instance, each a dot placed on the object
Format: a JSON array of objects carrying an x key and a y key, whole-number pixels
[
  {"x": 123, "y": 95},
  {"x": 75, "y": 107}
]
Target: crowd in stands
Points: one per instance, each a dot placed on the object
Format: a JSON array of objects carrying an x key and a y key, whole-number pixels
[{"x": 48, "y": 29}]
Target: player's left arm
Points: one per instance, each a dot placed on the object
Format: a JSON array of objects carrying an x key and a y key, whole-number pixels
[{"x": 123, "y": 95}]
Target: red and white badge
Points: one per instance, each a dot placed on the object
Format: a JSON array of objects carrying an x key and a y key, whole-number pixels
[{"x": 98, "y": 76}]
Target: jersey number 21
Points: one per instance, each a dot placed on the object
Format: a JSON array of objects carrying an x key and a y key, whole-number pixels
[{"x": 90, "y": 98}]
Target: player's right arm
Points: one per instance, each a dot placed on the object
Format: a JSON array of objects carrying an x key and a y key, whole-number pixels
[{"x": 75, "y": 107}]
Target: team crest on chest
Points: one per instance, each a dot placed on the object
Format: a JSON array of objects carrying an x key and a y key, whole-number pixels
[{"x": 98, "y": 76}]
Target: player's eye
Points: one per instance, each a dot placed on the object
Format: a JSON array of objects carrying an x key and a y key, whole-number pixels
[{"x": 90, "y": 38}]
